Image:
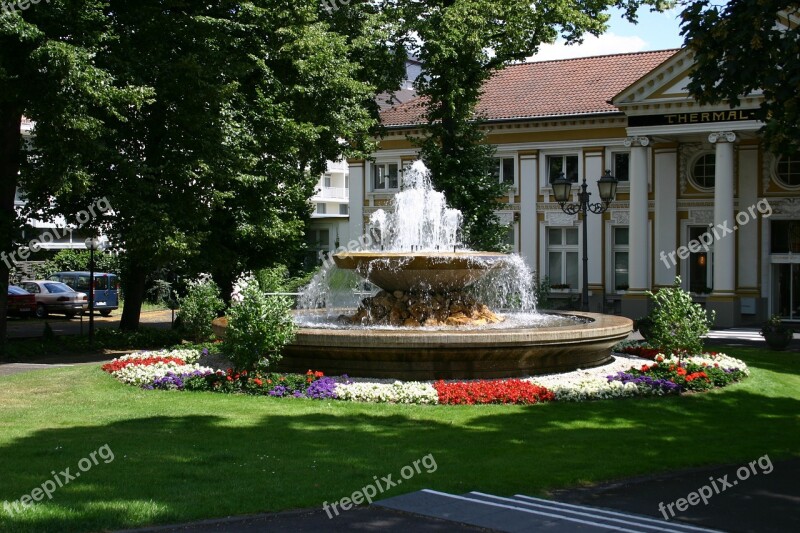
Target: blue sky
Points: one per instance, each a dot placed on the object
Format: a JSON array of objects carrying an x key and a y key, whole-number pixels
[{"x": 655, "y": 31}]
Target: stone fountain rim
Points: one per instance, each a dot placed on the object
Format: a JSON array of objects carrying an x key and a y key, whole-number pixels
[{"x": 599, "y": 325}]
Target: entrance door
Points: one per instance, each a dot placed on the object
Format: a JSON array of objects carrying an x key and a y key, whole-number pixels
[{"x": 786, "y": 290}]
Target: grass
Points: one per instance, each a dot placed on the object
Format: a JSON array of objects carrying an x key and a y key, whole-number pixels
[{"x": 188, "y": 456}]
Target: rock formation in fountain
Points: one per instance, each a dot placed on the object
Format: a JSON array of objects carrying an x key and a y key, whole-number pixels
[{"x": 417, "y": 309}]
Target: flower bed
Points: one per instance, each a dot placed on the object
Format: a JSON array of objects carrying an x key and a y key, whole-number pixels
[{"x": 627, "y": 376}]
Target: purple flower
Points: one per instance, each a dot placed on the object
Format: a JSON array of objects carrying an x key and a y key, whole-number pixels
[
  {"x": 322, "y": 389},
  {"x": 279, "y": 391}
]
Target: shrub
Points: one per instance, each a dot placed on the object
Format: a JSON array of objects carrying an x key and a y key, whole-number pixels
[
  {"x": 78, "y": 260},
  {"x": 199, "y": 307},
  {"x": 677, "y": 323},
  {"x": 259, "y": 326}
]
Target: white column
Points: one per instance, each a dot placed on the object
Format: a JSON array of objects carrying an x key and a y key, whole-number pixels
[
  {"x": 724, "y": 221},
  {"x": 356, "y": 200},
  {"x": 665, "y": 178},
  {"x": 638, "y": 255},
  {"x": 529, "y": 224}
]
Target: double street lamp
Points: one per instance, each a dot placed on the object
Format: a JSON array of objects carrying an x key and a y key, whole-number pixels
[{"x": 562, "y": 190}]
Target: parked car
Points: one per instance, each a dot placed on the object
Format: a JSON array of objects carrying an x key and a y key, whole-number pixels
[
  {"x": 20, "y": 302},
  {"x": 56, "y": 297},
  {"x": 106, "y": 290}
]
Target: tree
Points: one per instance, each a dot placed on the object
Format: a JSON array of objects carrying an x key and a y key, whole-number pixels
[
  {"x": 461, "y": 44},
  {"x": 249, "y": 99},
  {"x": 748, "y": 45},
  {"x": 48, "y": 74}
]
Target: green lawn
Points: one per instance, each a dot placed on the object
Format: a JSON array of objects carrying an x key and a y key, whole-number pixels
[{"x": 186, "y": 456}]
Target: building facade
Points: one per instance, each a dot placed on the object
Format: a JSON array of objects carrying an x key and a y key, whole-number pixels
[{"x": 698, "y": 198}]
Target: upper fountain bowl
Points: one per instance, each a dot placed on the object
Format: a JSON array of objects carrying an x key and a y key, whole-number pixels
[{"x": 436, "y": 272}]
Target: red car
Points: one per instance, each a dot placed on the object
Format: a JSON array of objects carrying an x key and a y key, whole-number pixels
[{"x": 20, "y": 301}]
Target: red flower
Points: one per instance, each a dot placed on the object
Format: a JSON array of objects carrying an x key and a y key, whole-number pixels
[
  {"x": 681, "y": 371},
  {"x": 258, "y": 382},
  {"x": 318, "y": 374},
  {"x": 229, "y": 378},
  {"x": 500, "y": 391},
  {"x": 645, "y": 368}
]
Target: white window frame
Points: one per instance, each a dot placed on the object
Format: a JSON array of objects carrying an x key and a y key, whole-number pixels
[
  {"x": 692, "y": 177},
  {"x": 615, "y": 249},
  {"x": 501, "y": 156},
  {"x": 613, "y": 167},
  {"x": 385, "y": 164},
  {"x": 564, "y": 249},
  {"x": 777, "y": 177},
  {"x": 563, "y": 154}
]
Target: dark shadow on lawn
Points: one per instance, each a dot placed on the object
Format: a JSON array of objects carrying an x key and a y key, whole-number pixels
[{"x": 196, "y": 467}]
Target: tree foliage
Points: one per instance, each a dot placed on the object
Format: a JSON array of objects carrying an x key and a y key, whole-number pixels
[
  {"x": 461, "y": 44},
  {"x": 245, "y": 102},
  {"x": 49, "y": 74},
  {"x": 743, "y": 46}
]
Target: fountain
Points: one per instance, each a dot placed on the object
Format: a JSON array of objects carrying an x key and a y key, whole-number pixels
[{"x": 442, "y": 311}]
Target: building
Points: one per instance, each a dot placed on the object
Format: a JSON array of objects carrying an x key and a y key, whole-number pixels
[
  {"x": 687, "y": 173},
  {"x": 329, "y": 221}
]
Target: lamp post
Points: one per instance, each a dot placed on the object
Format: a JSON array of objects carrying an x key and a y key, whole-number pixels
[
  {"x": 607, "y": 186},
  {"x": 92, "y": 244}
]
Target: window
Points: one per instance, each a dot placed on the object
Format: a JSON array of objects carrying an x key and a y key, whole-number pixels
[
  {"x": 384, "y": 176},
  {"x": 318, "y": 239},
  {"x": 621, "y": 165},
  {"x": 321, "y": 209},
  {"x": 511, "y": 238},
  {"x": 568, "y": 164},
  {"x": 787, "y": 170},
  {"x": 703, "y": 171},
  {"x": 344, "y": 209},
  {"x": 700, "y": 269},
  {"x": 327, "y": 181},
  {"x": 620, "y": 253},
  {"x": 504, "y": 170},
  {"x": 31, "y": 288},
  {"x": 562, "y": 257}
]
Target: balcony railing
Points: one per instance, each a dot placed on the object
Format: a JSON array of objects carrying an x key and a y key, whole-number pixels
[{"x": 339, "y": 193}]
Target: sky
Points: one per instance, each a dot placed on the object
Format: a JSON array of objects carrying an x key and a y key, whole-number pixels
[{"x": 655, "y": 31}]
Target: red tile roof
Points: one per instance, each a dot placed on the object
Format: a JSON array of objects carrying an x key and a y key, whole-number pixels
[{"x": 548, "y": 88}]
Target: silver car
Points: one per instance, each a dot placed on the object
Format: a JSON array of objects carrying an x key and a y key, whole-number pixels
[{"x": 56, "y": 297}]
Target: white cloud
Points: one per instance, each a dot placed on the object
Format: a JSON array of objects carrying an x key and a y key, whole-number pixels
[{"x": 608, "y": 43}]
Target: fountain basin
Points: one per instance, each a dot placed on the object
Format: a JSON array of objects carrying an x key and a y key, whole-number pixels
[
  {"x": 457, "y": 354},
  {"x": 428, "y": 271}
]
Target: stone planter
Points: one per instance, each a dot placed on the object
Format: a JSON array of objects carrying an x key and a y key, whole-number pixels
[{"x": 778, "y": 340}]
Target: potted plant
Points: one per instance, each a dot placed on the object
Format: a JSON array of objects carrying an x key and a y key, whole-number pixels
[
  {"x": 644, "y": 325},
  {"x": 560, "y": 287},
  {"x": 777, "y": 334}
]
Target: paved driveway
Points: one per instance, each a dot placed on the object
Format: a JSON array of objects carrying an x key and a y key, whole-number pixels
[{"x": 34, "y": 327}]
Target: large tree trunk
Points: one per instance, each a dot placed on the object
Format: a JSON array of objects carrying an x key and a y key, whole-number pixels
[
  {"x": 10, "y": 142},
  {"x": 133, "y": 286}
]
